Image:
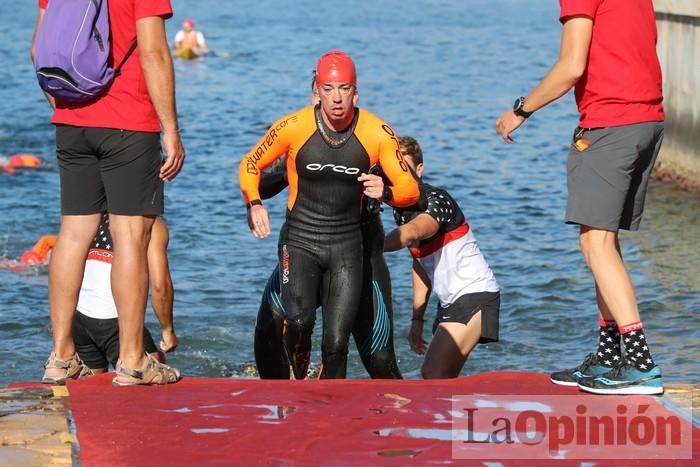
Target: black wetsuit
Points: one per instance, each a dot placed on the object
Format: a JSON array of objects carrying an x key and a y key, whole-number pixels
[{"x": 373, "y": 329}]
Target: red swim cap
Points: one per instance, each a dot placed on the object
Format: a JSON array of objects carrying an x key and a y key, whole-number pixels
[
  {"x": 188, "y": 22},
  {"x": 335, "y": 67},
  {"x": 30, "y": 257}
]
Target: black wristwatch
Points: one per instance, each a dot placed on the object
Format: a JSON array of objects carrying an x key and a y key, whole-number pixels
[
  {"x": 518, "y": 108},
  {"x": 255, "y": 202}
]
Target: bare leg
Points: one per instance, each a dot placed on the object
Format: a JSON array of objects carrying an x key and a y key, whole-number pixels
[
  {"x": 450, "y": 348},
  {"x": 131, "y": 235},
  {"x": 65, "y": 276},
  {"x": 603, "y": 309},
  {"x": 600, "y": 250}
]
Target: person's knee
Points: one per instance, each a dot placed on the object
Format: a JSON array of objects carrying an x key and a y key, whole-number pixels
[
  {"x": 335, "y": 347},
  {"x": 596, "y": 242},
  {"x": 132, "y": 231},
  {"x": 78, "y": 230},
  {"x": 161, "y": 288}
]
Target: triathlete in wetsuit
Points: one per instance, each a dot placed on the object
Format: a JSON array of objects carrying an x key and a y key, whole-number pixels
[
  {"x": 373, "y": 331},
  {"x": 330, "y": 149}
]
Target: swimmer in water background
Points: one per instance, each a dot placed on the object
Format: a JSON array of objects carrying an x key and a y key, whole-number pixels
[
  {"x": 37, "y": 256},
  {"x": 40, "y": 253},
  {"x": 10, "y": 164},
  {"x": 188, "y": 38}
]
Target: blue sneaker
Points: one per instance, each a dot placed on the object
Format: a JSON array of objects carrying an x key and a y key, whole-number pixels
[
  {"x": 589, "y": 367},
  {"x": 625, "y": 379}
]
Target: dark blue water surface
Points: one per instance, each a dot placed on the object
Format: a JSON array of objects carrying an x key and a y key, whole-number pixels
[{"x": 441, "y": 71}]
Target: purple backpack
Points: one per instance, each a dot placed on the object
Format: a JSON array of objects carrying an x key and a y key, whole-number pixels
[{"x": 73, "y": 50}]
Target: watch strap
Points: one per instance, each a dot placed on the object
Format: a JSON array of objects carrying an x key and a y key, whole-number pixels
[{"x": 254, "y": 202}]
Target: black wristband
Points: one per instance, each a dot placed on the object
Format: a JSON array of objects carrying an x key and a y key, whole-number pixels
[{"x": 255, "y": 202}]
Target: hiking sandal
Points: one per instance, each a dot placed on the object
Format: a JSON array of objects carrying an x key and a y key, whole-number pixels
[
  {"x": 85, "y": 372},
  {"x": 58, "y": 371},
  {"x": 153, "y": 372}
]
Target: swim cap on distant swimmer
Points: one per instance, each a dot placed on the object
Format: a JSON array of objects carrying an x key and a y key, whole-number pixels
[
  {"x": 30, "y": 257},
  {"x": 24, "y": 160},
  {"x": 188, "y": 23},
  {"x": 335, "y": 67},
  {"x": 39, "y": 253}
]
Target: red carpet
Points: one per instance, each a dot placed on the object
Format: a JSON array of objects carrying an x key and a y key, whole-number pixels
[{"x": 204, "y": 421}]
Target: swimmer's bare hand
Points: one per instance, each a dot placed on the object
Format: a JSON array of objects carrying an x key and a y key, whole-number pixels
[
  {"x": 258, "y": 221},
  {"x": 175, "y": 154},
  {"x": 507, "y": 124},
  {"x": 374, "y": 185},
  {"x": 415, "y": 338},
  {"x": 169, "y": 342}
]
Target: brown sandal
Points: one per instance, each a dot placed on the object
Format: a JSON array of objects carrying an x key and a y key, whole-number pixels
[
  {"x": 153, "y": 372},
  {"x": 57, "y": 371}
]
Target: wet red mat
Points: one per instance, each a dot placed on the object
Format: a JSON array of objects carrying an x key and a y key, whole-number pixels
[{"x": 204, "y": 421}]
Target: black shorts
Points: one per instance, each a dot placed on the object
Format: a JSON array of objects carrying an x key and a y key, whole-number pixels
[
  {"x": 97, "y": 340},
  {"x": 108, "y": 170},
  {"x": 466, "y": 306}
]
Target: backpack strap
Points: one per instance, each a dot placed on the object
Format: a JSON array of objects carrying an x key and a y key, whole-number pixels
[{"x": 118, "y": 69}]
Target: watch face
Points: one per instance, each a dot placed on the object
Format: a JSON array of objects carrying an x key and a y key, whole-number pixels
[{"x": 517, "y": 104}]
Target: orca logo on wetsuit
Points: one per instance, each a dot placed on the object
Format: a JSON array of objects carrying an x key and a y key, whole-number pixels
[{"x": 334, "y": 168}]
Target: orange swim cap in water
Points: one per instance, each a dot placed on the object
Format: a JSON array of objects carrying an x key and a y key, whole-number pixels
[
  {"x": 24, "y": 160},
  {"x": 335, "y": 67}
]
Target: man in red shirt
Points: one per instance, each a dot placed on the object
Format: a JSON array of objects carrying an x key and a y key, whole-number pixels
[
  {"x": 109, "y": 157},
  {"x": 608, "y": 52}
]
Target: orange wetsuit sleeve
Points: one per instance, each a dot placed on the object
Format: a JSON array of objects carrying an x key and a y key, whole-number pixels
[
  {"x": 404, "y": 187},
  {"x": 274, "y": 144},
  {"x": 43, "y": 245}
]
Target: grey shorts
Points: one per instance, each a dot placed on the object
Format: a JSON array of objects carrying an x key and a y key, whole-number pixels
[
  {"x": 108, "y": 170},
  {"x": 465, "y": 307},
  {"x": 608, "y": 174}
]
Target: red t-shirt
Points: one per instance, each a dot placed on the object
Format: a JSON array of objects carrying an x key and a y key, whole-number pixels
[
  {"x": 126, "y": 105},
  {"x": 622, "y": 81}
]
